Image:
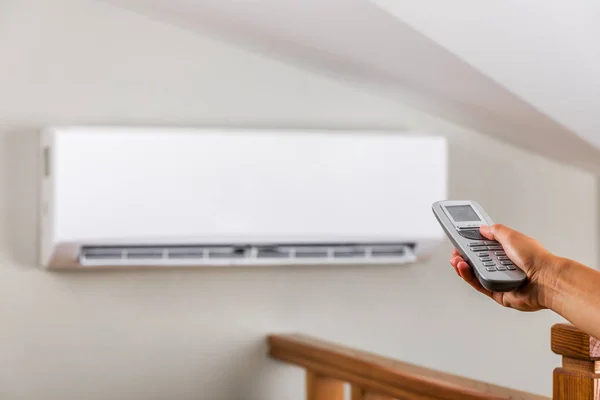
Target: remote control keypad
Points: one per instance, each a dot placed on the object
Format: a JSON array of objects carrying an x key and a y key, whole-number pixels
[{"x": 492, "y": 255}]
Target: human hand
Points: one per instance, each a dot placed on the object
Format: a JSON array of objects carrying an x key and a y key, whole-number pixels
[{"x": 529, "y": 255}]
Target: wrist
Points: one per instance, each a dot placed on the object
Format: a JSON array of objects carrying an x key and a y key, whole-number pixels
[{"x": 551, "y": 282}]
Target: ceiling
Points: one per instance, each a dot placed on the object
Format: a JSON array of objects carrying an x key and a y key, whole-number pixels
[
  {"x": 522, "y": 72},
  {"x": 545, "y": 51}
]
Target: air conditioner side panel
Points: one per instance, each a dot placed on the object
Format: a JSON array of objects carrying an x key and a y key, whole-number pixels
[{"x": 46, "y": 201}]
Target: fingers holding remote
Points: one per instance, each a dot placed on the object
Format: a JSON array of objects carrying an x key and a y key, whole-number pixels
[
  {"x": 526, "y": 252},
  {"x": 539, "y": 264},
  {"x": 466, "y": 273}
]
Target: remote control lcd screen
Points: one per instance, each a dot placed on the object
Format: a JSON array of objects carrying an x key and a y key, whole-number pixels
[{"x": 462, "y": 213}]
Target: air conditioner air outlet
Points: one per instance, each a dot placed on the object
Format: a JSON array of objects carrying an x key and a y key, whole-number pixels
[{"x": 245, "y": 254}]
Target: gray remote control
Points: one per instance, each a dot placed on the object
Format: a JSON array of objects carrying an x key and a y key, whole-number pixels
[{"x": 461, "y": 220}]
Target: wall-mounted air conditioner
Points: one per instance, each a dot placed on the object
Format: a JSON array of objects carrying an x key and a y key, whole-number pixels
[{"x": 129, "y": 197}]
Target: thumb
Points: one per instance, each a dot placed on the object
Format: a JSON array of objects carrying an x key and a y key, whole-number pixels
[{"x": 497, "y": 232}]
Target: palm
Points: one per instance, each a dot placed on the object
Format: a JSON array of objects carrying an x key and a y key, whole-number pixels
[{"x": 522, "y": 300}]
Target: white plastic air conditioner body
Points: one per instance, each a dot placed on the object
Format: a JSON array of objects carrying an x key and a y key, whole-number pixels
[{"x": 127, "y": 197}]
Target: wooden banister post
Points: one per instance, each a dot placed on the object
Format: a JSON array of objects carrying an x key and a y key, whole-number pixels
[
  {"x": 579, "y": 376},
  {"x": 359, "y": 393},
  {"x": 320, "y": 387}
]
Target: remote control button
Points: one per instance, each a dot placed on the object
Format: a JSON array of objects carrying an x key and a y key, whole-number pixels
[
  {"x": 499, "y": 253},
  {"x": 491, "y": 243},
  {"x": 481, "y": 248},
  {"x": 506, "y": 262},
  {"x": 491, "y": 269},
  {"x": 489, "y": 264},
  {"x": 485, "y": 259},
  {"x": 501, "y": 268},
  {"x": 494, "y": 248},
  {"x": 511, "y": 267},
  {"x": 502, "y": 258},
  {"x": 474, "y": 244},
  {"x": 471, "y": 234},
  {"x": 484, "y": 254}
]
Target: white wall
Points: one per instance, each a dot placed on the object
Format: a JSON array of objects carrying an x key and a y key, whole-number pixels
[{"x": 200, "y": 334}]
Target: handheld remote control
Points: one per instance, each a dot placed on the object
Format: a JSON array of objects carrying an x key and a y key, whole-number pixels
[{"x": 461, "y": 220}]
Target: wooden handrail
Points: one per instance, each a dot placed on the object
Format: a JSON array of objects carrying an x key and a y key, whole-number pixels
[
  {"x": 329, "y": 366},
  {"x": 579, "y": 376},
  {"x": 371, "y": 376},
  {"x": 571, "y": 342}
]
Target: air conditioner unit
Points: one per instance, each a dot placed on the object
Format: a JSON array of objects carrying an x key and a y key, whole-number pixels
[{"x": 165, "y": 197}]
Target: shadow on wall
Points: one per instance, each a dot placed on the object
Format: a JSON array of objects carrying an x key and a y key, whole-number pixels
[{"x": 19, "y": 194}]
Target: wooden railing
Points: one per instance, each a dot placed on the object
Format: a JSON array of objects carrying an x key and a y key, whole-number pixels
[
  {"x": 579, "y": 376},
  {"x": 329, "y": 367}
]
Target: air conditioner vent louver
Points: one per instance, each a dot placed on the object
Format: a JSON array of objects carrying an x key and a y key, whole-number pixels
[
  {"x": 311, "y": 252},
  {"x": 246, "y": 254},
  {"x": 103, "y": 256},
  {"x": 271, "y": 253},
  {"x": 143, "y": 256},
  {"x": 175, "y": 256},
  {"x": 227, "y": 252}
]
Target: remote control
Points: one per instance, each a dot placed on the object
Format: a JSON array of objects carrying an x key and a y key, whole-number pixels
[{"x": 461, "y": 220}]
